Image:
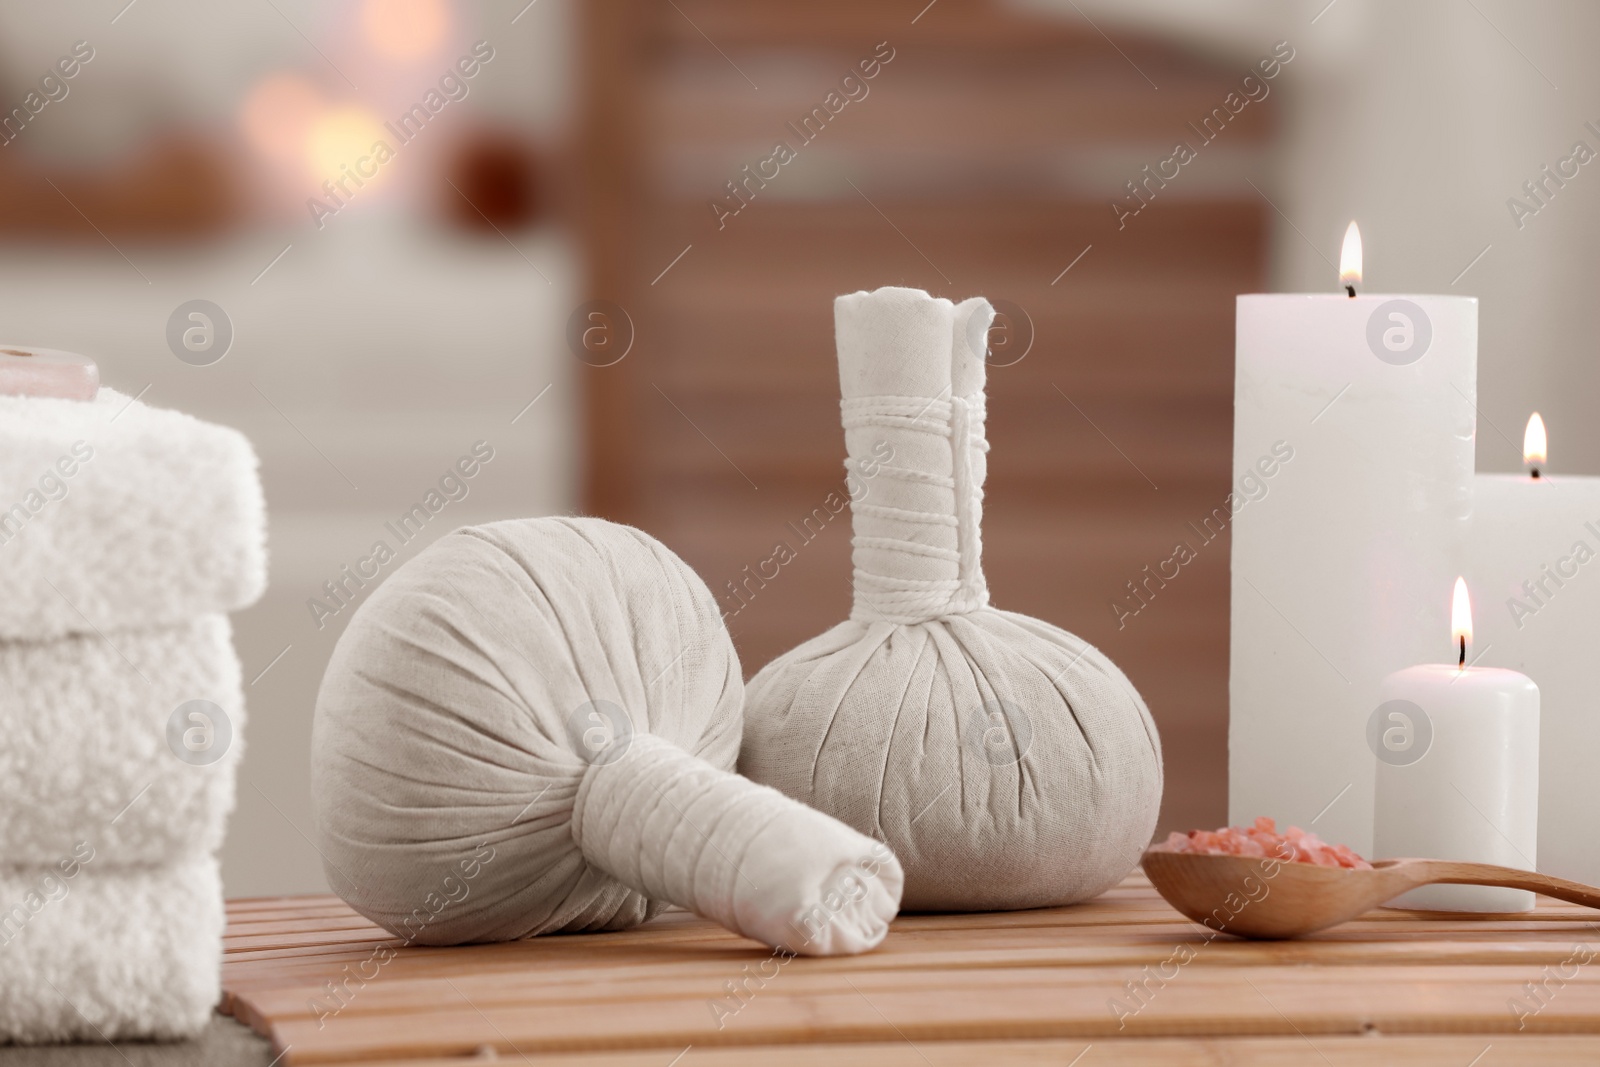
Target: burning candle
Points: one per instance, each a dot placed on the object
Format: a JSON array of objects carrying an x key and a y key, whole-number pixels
[
  {"x": 1458, "y": 771},
  {"x": 47, "y": 372},
  {"x": 1350, "y": 259},
  {"x": 1534, "y": 544},
  {"x": 1535, "y": 445},
  {"x": 1338, "y": 558}
]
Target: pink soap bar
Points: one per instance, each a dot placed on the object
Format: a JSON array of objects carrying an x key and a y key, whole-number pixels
[{"x": 47, "y": 372}]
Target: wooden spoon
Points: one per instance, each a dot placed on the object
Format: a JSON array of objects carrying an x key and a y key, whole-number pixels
[{"x": 1266, "y": 898}]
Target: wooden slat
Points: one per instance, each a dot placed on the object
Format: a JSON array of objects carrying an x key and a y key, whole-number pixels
[
  {"x": 1435, "y": 1051},
  {"x": 252, "y": 905},
  {"x": 512, "y": 986},
  {"x": 960, "y": 24},
  {"x": 609, "y": 191},
  {"x": 1411, "y": 1001}
]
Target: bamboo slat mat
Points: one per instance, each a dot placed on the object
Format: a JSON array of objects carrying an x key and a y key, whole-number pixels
[{"x": 1124, "y": 977}]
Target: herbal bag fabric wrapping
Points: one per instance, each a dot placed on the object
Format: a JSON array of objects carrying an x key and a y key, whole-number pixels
[
  {"x": 115, "y": 515},
  {"x": 530, "y": 727},
  {"x": 1007, "y": 763},
  {"x": 99, "y": 747}
]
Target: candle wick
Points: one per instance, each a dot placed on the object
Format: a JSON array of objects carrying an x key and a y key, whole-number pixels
[
  {"x": 1351, "y": 290},
  {"x": 1461, "y": 663},
  {"x": 1536, "y": 472}
]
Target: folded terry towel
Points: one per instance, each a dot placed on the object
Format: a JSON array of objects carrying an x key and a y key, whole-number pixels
[
  {"x": 108, "y": 953},
  {"x": 88, "y": 750},
  {"x": 114, "y": 514}
]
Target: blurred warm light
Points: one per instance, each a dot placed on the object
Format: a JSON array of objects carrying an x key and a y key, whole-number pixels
[
  {"x": 278, "y": 113},
  {"x": 1535, "y": 446},
  {"x": 1350, "y": 257},
  {"x": 340, "y": 137},
  {"x": 405, "y": 29},
  {"x": 1461, "y": 617}
]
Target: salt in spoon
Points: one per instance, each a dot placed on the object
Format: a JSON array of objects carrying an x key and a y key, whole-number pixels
[{"x": 1266, "y": 898}]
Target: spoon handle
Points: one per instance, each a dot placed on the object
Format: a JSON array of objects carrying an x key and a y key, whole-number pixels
[{"x": 1509, "y": 877}]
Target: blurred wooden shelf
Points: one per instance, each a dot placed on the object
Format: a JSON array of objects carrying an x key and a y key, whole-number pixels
[{"x": 984, "y": 158}]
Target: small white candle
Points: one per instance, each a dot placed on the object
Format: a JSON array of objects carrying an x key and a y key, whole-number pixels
[
  {"x": 1339, "y": 554},
  {"x": 1458, "y": 772},
  {"x": 1534, "y": 561},
  {"x": 28, "y": 371}
]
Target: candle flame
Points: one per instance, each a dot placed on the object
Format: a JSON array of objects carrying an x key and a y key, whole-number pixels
[
  {"x": 1461, "y": 618},
  {"x": 1535, "y": 446},
  {"x": 1350, "y": 257}
]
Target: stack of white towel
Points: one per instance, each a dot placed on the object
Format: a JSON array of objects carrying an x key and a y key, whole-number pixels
[{"x": 126, "y": 534}]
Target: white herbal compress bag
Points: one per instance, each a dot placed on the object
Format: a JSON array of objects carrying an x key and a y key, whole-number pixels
[
  {"x": 531, "y": 726},
  {"x": 1008, "y": 763}
]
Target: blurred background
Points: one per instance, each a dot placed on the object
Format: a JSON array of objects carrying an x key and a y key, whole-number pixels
[{"x": 589, "y": 253}]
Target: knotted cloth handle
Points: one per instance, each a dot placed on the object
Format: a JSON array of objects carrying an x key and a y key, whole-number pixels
[
  {"x": 911, "y": 374},
  {"x": 675, "y": 828}
]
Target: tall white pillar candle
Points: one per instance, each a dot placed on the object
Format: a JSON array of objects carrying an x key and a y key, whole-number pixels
[
  {"x": 1534, "y": 562},
  {"x": 1460, "y": 776},
  {"x": 1338, "y": 563}
]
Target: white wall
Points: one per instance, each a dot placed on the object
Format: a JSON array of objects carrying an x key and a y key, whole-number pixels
[{"x": 1420, "y": 119}]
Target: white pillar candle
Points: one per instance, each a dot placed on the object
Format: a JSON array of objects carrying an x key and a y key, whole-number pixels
[
  {"x": 1459, "y": 779},
  {"x": 1534, "y": 560},
  {"x": 1338, "y": 556}
]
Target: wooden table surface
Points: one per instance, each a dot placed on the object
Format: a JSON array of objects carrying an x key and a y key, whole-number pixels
[{"x": 1121, "y": 980}]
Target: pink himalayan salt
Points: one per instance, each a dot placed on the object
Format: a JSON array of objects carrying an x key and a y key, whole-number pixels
[{"x": 1263, "y": 840}]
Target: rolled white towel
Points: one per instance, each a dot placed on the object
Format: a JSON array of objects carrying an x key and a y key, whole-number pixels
[
  {"x": 91, "y": 952},
  {"x": 95, "y": 746},
  {"x": 114, "y": 514}
]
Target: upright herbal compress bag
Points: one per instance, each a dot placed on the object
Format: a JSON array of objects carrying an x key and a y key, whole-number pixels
[{"x": 1006, "y": 762}]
